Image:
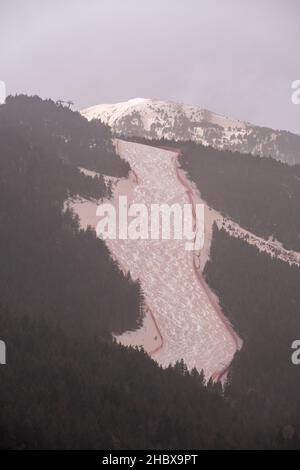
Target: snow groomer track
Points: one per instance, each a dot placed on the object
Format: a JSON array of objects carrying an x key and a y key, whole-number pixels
[{"x": 183, "y": 318}]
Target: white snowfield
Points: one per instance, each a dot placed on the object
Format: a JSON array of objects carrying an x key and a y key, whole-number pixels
[
  {"x": 156, "y": 111},
  {"x": 154, "y": 119},
  {"x": 188, "y": 323}
]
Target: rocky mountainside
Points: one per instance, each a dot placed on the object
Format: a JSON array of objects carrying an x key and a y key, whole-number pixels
[{"x": 155, "y": 119}]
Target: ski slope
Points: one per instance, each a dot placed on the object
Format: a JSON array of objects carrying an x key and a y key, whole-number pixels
[
  {"x": 183, "y": 319},
  {"x": 188, "y": 320}
]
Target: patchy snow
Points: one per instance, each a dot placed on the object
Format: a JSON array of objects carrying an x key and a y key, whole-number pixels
[
  {"x": 162, "y": 113},
  {"x": 113, "y": 111},
  {"x": 85, "y": 209},
  {"x": 273, "y": 247},
  {"x": 113, "y": 180},
  {"x": 154, "y": 119}
]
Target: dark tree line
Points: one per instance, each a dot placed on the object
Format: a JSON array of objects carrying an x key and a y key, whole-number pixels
[
  {"x": 261, "y": 297},
  {"x": 62, "y": 132},
  {"x": 61, "y": 393}
]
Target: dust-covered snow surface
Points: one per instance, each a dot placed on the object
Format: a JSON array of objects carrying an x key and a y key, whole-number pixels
[{"x": 182, "y": 315}]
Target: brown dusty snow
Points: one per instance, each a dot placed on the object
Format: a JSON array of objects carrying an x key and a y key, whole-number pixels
[
  {"x": 189, "y": 326},
  {"x": 181, "y": 320},
  {"x": 182, "y": 317}
]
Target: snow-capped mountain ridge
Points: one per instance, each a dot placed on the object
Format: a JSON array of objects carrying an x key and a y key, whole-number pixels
[{"x": 153, "y": 119}]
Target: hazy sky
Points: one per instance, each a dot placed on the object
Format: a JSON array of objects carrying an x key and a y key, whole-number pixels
[{"x": 235, "y": 57}]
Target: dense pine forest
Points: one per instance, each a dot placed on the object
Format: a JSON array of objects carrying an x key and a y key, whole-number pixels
[
  {"x": 62, "y": 392},
  {"x": 261, "y": 297},
  {"x": 58, "y": 392},
  {"x": 62, "y": 132},
  {"x": 67, "y": 384}
]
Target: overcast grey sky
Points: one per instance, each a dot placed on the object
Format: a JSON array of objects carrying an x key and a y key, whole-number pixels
[{"x": 235, "y": 57}]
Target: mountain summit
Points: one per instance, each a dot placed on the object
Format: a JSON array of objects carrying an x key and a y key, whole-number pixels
[{"x": 154, "y": 119}]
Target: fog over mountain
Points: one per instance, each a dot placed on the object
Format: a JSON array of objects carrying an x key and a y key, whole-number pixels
[{"x": 236, "y": 58}]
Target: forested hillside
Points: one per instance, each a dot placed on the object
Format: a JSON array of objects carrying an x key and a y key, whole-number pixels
[
  {"x": 49, "y": 267},
  {"x": 261, "y": 297},
  {"x": 63, "y": 133},
  {"x": 260, "y": 194},
  {"x": 62, "y": 392},
  {"x": 66, "y": 383}
]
